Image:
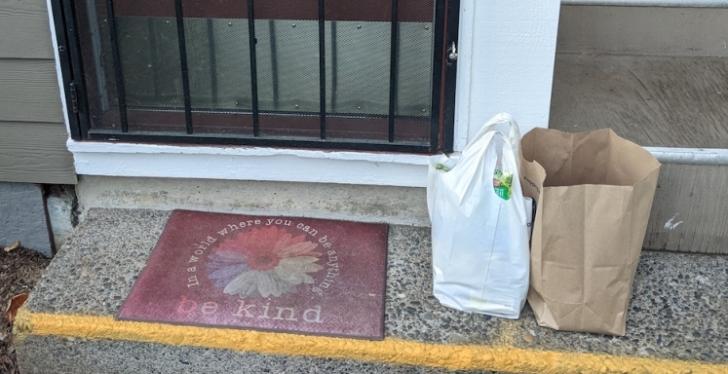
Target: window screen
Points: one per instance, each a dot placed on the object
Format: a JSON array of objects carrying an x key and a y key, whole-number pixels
[{"x": 313, "y": 73}]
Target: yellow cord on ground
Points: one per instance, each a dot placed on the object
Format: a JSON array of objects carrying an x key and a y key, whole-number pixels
[{"x": 389, "y": 351}]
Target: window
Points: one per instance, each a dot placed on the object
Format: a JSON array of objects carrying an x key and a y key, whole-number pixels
[{"x": 371, "y": 75}]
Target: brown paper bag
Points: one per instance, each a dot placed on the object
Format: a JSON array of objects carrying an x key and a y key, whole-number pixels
[{"x": 594, "y": 193}]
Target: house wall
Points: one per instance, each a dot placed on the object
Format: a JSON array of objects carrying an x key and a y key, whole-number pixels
[
  {"x": 655, "y": 75},
  {"x": 32, "y": 132},
  {"x": 659, "y": 77},
  {"x": 505, "y": 63}
]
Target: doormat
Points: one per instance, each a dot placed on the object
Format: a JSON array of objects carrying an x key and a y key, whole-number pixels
[{"x": 285, "y": 274}]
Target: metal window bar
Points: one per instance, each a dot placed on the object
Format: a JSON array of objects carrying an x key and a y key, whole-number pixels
[
  {"x": 154, "y": 56},
  {"x": 213, "y": 110},
  {"x": 68, "y": 53},
  {"x": 274, "y": 62},
  {"x": 182, "y": 42},
  {"x": 447, "y": 17},
  {"x": 393, "y": 64},
  {"x": 204, "y": 138},
  {"x": 322, "y": 68},
  {"x": 334, "y": 62},
  {"x": 445, "y": 22},
  {"x": 118, "y": 71},
  {"x": 212, "y": 56},
  {"x": 64, "y": 59},
  {"x": 253, "y": 68}
]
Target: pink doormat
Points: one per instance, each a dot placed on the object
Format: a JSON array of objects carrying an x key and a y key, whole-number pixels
[{"x": 301, "y": 275}]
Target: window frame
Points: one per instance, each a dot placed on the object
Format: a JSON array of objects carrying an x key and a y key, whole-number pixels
[{"x": 441, "y": 121}]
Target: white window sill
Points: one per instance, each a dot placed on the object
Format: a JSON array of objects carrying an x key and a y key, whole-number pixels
[
  {"x": 290, "y": 165},
  {"x": 249, "y": 163}
]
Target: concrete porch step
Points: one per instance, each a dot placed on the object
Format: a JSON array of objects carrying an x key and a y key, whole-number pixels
[{"x": 678, "y": 320}]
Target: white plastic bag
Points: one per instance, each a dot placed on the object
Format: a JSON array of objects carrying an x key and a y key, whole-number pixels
[{"x": 480, "y": 240}]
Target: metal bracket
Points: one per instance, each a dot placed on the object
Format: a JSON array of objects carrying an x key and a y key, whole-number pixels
[
  {"x": 452, "y": 52},
  {"x": 73, "y": 92}
]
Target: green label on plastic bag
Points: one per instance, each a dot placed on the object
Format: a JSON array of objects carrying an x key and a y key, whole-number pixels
[{"x": 503, "y": 184}]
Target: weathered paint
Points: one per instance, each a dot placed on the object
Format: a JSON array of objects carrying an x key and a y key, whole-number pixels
[
  {"x": 249, "y": 163},
  {"x": 644, "y": 31},
  {"x": 393, "y": 351},
  {"x": 693, "y": 200},
  {"x": 394, "y": 205},
  {"x": 671, "y": 224},
  {"x": 657, "y": 101}
]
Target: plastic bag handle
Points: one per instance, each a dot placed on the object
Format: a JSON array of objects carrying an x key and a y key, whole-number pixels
[
  {"x": 504, "y": 127},
  {"x": 502, "y": 123}
]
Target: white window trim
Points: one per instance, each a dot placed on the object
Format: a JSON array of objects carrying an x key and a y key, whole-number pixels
[
  {"x": 249, "y": 163},
  {"x": 485, "y": 87}
]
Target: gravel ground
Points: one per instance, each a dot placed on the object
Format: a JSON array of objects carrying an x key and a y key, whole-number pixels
[{"x": 19, "y": 270}]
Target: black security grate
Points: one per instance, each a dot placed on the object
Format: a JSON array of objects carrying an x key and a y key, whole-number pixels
[{"x": 321, "y": 73}]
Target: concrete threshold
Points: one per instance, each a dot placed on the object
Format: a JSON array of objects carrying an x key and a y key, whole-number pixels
[
  {"x": 379, "y": 204},
  {"x": 677, "y": 320}
]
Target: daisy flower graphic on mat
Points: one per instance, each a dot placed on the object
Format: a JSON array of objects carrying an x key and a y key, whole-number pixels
[{"x": 267, "y": 261}]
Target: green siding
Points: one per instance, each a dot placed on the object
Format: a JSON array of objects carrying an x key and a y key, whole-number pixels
[{"x": 32, "y": 134}]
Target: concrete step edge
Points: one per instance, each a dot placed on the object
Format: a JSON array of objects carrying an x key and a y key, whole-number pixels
[
  {"x": 71, "y": 312},
  {"x": 499, "y": 358}
]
